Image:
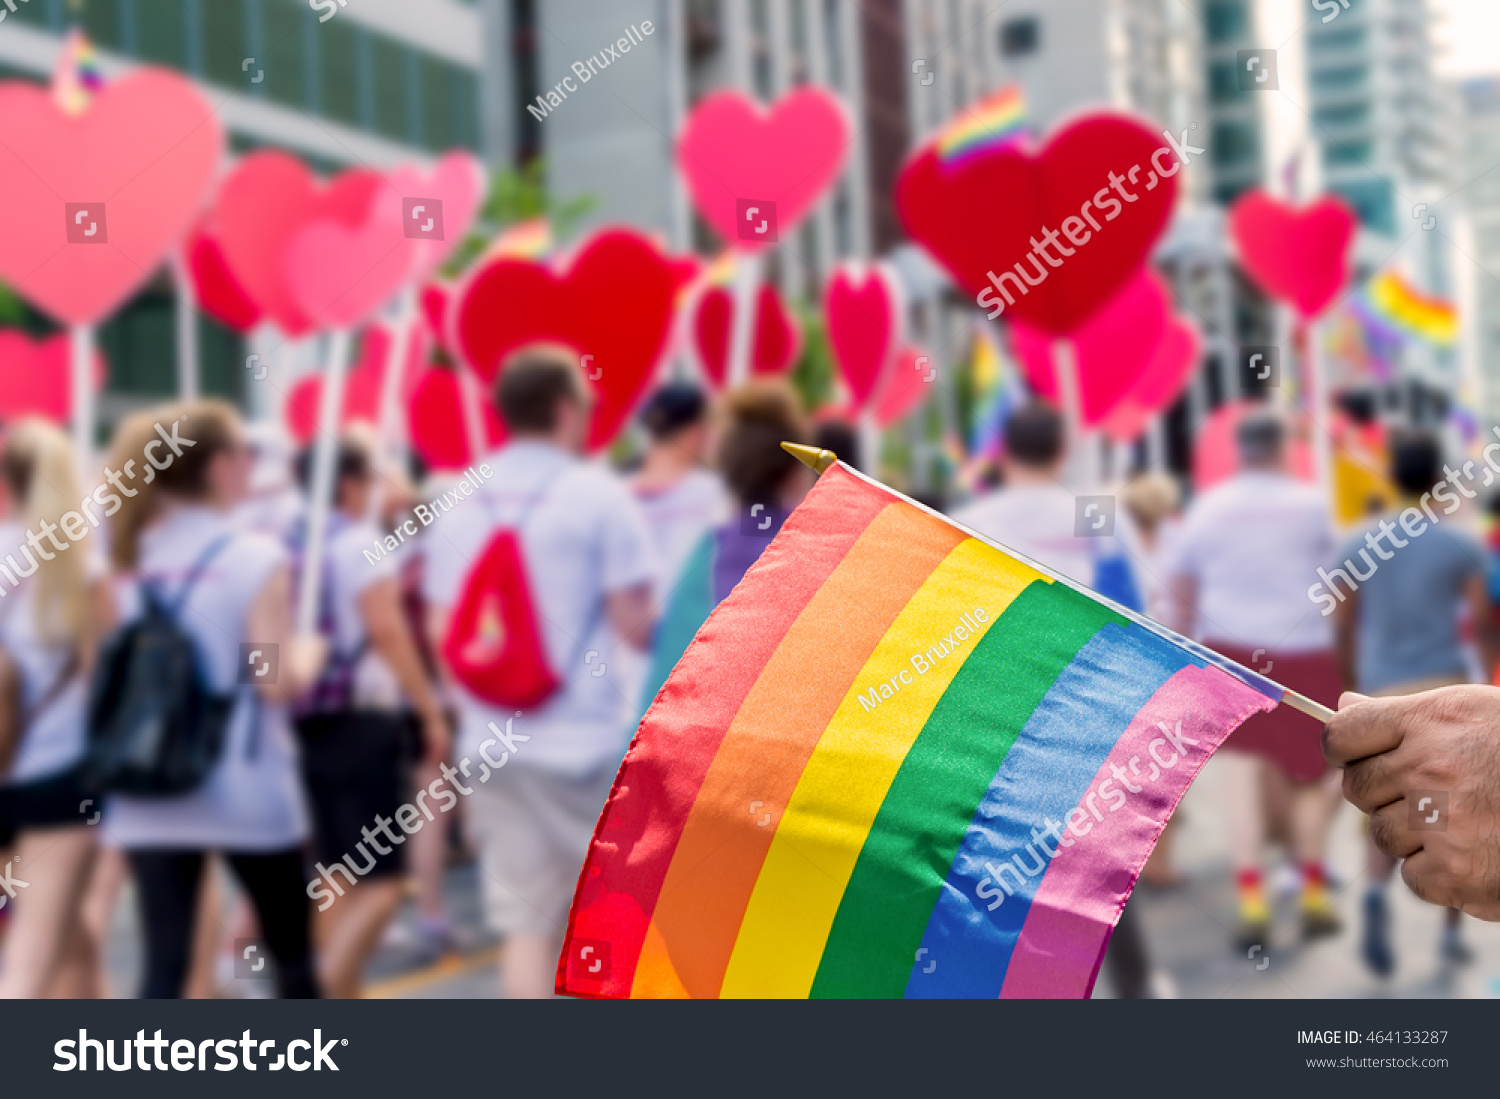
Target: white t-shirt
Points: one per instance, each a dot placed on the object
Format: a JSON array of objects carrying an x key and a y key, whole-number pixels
[
  {"x": 1253, "y": 545},
  {"x": 252, "y": 800},
  {"x": 584, "y": 538},
  {"x": 1039, "y": 522},
  {"x": 54, "y": 741},
  {"x": 678, "y": 517},
  {"x": 349, "y": 576}
]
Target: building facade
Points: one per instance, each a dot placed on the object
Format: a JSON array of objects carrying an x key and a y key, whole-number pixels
[{"x": 374, "y": 83}]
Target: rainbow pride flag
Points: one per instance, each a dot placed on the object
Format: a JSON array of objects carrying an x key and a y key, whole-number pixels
[
  {"x": 998, "y": 119},
  {"x": 896, "y": 761},
  {"x": 1406, "y": 308}
]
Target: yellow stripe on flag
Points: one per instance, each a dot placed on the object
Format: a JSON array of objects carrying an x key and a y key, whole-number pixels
[{"x": 829, "y": 815}]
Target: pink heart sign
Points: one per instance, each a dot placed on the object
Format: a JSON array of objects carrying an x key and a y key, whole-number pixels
[
  {"x": 35, "y": 378},
  {"x": 362, "y": 388},
  {"x": 338, "y": 276},
  {"x": 862, "y": 308},
  {"x": 1300, "y": 256},
  {"x": 1112, "y": 350},
  {"x": 1168, "y": 373},
  {"x": 93, "y": 202},
  {"x": 263, "y": 204},
  {"x": 456, "y": 184},
  {"x": 735, "y": 156}
]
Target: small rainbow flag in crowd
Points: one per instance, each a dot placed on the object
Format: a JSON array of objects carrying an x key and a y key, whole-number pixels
[
  {"x": 998, "y": 119},
  {"x": 77, "y": 77},
  {"x": 897, "y": 761},
  {"x": 997, "y": 393},
  {"x": 1398, "y": 303}
]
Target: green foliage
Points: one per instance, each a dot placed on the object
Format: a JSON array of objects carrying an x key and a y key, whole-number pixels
[
  {"x": 815, "y": 375},
  {"x": 518, "y": 195},
  {"x": 12, "y": 311}
]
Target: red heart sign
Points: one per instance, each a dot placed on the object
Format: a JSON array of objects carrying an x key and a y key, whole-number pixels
[
  {"x": 777, "y": 341},
  {"x": 732, "y": 152},
  {"x": 434, "y": 300},
  {"x": 612, "y": 305},
  {"x": 263, "y": 204},
  {"x": 1297, "y": 256},
  {"x": 862, "y": 308},
  {"x": 92, "y": 203},
  {"x": 362, "y": 387},
  {"x": 1056, "y": 229},
  {"x": 219, "y": 293},
  {"x": 1166, "y": 375},
  {"x": 1112, "y": 351},
  {"x": 36, "y": 377},
  {"x": 436, "y": 422}
]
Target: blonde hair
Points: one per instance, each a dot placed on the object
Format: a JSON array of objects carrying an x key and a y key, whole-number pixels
[
  {"x": 37, "y": 463},
  {"x": 213, "y": 427},
  {"x": 1151, "y": 498}
]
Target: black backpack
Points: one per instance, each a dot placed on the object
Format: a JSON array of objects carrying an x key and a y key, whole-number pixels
[{"x": 155, "y": 725}]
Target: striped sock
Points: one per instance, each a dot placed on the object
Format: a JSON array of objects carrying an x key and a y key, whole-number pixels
[
  {"x": 1252, "y": 897},
  {"x": 1314, "y": 885}
]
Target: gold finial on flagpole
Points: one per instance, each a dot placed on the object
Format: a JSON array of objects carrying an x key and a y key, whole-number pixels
[{"x": 814, "y": 459}]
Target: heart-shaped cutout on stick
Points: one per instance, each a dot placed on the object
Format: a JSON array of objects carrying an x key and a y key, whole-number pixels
[
  {"x": 36, "y": 376},
  {"x": 862, "y": 309},
  {"x": 94, "y": 202},
  {"x": 776, "y": 341},
  {"x": 1046, "y": 238},
  {"x": 1299, "y": 256},
  {"x": 735, "y": 155},
  {"x": 612, "y": 304}
]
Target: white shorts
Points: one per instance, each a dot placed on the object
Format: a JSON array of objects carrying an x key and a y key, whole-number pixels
[{"x": 532, "y": 830}]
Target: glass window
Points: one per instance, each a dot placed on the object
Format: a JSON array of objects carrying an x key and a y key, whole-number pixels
[
  {"x": 465, "y": 109},
  {"x": 1020, "y": 37},
  {"x": 33, "y": 12},
  {"x": 1225, "y": 20},
  {"x": 388, "y": 67},
  {"x": 1340, "y": 39},
  {"x": 340, "y": 70},
  {"x": 1224, "y": 82},
  {"x": 161, "y": 32},
  {"x": 1347, "y": 115},
  {"x": 286, "y": 54},
  {"x": 139, "y": 343},
  {"x": 1345, "y": 153},
  {"x": 1345, "y": 76},
  {"x": 101, "y": 22},
  {"x": 224, "y": 41},
  {"x": 1372, "y": 200},
  {"x": 1234, "y": 143},
  {"x": 437, "y": 102}
]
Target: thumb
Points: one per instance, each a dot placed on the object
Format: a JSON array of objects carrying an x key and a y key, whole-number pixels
[{"x": 1350, "y": 698}]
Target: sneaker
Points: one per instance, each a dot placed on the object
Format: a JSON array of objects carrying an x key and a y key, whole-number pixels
[
  {"x": 1375, "y": 945},
  {"x": 1452, "y": 948},
  {"x": 1319, "y": 917}
]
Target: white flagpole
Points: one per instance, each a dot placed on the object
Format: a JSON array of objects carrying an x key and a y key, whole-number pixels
[
  {"x": 747, "y": 271},
  {"x": 81, "y": 363},
  {"x": 388, "y": 426},
  {"x": 1076, "y": 441},
  {"x": 187, "y": 329},
  {"x": 472, "y": 400},
  {"x": 321, "y": 501}
]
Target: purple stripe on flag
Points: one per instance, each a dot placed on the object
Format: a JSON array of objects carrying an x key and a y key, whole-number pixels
[{"x": 1085, "y": 887}]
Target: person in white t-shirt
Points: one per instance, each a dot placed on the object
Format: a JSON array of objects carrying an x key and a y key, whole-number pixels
[
  {"x": 50, "y": 625},
  {"x": 356, "y": 726},
  {"x": 1248, "y": 550},
  {"x": 177, "y": 532},
  {"x": 590, "y": 565}
]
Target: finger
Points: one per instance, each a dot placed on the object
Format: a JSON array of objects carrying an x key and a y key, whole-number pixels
[
  {"x": 1390, "y": 828},
  {"x": 1372, "y": 783},
  {"x": 1363, "y": 727},
  {"x": 1424, "y": 875}
]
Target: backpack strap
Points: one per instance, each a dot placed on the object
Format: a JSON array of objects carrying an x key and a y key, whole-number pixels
[{"x": 195, "y": 573}]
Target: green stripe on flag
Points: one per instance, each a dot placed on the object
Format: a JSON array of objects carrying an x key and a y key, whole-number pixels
[{"x": 931, "y": 803}]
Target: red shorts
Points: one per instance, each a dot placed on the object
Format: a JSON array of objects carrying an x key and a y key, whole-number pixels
[{"x": 1286, "y": 737}]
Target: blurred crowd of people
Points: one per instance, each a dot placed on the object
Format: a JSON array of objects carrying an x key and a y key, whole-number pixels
[{"x": 586, "y": 582}]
